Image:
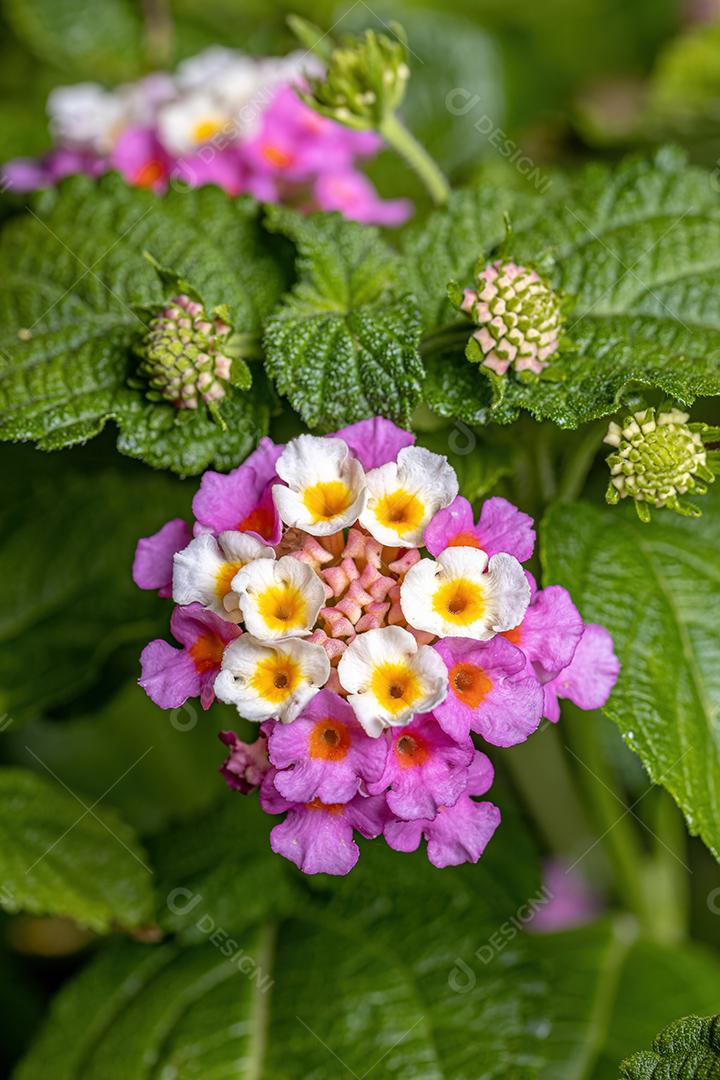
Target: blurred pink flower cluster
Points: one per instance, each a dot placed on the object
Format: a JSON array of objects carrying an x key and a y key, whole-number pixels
[{"x": 223, "y": 118}]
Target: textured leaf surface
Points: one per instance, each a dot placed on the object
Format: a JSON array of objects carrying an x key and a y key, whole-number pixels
[
  {"x": 69, "y": 529},
  {"x": 59, "y": 858},
  {"x": 343, "y": 346},
  {"x": 73, "y": 268},
  {"x": 636, "y": 250},
  {"x": 688, "y": 1047},
  {"x": 657, "y": 589},
  {"x": 348, "y": 991},
  {"x": 610, "y": 991}
]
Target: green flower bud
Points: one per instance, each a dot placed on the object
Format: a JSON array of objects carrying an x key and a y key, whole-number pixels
[
  {"x": 364, "y": 82},
  {"x": 181, "y": 357},
  {"x": 659, "y": 457}
]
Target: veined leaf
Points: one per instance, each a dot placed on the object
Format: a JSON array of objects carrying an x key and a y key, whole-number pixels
[
  {"x": 74, "y": 272},
  {"x": 69, "y": 529},
  {"x": 611, "y": 990},
  {"x": 687, "y": 1047},
  {"x": 254, "y": 1000},
  {"x": 657, "y": 590},
  {"x": 636, "y": 251},
  {"x": 343, "y": 345},
  {"x": 57, "y": 857}
]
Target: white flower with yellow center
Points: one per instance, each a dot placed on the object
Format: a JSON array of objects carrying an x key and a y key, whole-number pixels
[
  {"x": 404, "y": 495},
  {"x": 279, "y": 599},
  {"x": 266, "y": 679},
  {"x": 325, "y": 485},
  {"x": 389, "y": 678},
  {"x": 192, "y": 121},
  {"x": 462, "y": 593},
  {"x": 203, "y": 572},
  {"x": 86, "y": 116}
]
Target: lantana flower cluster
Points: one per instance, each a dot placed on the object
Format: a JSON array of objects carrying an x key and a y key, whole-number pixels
[
  {"x": 341, "y": 594},
  {"x": 223, "y": 118}
]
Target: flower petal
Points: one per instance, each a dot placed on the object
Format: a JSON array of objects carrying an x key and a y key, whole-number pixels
[
  {"x": 153, "y": 562},
  {"x": 279, "y": 599},
  {"x": 326, "y": 485},
  {"x": 404, "y": 495},
  {"x": 271, "y": 679}
]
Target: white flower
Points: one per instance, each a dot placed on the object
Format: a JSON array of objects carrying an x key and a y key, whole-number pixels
[
  {"x": 403, "y": 496},
  {"x": 191, "y": 121},
  {"x": 463, "y": 594},
  {"x": 326, "y": 485},
  {"x": 200, "y": 71},
  {"x": 389, "y": 678},
  {"x": 86, "y": 116},
  {"x": 266, "y": 679},
  {"x": 279, "y": 599},
  {"x": 203, "y": 571}
]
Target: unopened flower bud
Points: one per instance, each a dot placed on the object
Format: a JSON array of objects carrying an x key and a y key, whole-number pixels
[
  {"x": 659, "y": 457},
  {"x": 181, "y": 357},
  {"x": 519, "y": 317},
  {"x": 364, "y": 82}
]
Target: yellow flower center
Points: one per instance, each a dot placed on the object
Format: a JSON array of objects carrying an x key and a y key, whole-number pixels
[
  {"x": 224, "y": 576},
  {"x": 396, "y": 687},
  {"x": 276, "y": 678},
  {"x": 460, "y": 601},
  {"x": 328, "y": 498},
  {"x": 400, "y": 510},
  {"x": 205, "y": 130},
  {"x": 282, "y": 607}
]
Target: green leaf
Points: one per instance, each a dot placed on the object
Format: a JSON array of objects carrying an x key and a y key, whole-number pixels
[
  {"x": 478, "y": 462},
  {"x": 75, "y": 275},
  {"x": 610, "y": 990},
  {"x": 448, "y": 243},
  {"x": 70, "y": 604},
  {"x": 635, "y": 250},
  {"x": 657, "y": 590},
  {"x": 399, "y": 1001},
  {"x": 687, "y": 1047},
  {"x": 100, "y": 38},
  {"x": 343, "y": 346},
  {"x": 63, "y": 855},
  {"x": 167, "y": 759}
]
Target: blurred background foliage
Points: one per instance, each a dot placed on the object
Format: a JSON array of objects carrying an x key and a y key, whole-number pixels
[{"x": 566, "y": 81}]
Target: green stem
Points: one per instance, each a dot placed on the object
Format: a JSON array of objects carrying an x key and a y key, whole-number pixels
[
  {"x": 580, "y": 464},
  {"x": 617, "y": 832},
  {"x": 158, "y": 32},
  {"x": 397, "y": 135}
]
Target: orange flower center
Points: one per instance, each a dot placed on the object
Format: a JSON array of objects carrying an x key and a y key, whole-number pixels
[
  {"x": 470, "y": 684},
  {"x": 464, "y": 539},
  {"x": 329, "y": 740},
  {"x": 330, "y": 808},
  {"x": 260, "y": 521},
  {"x": 276, "y": 156},
  {"x": 514, "y": 636},
  {"x": 207, "y": 652},
  {"x": 411, "y": 751},
  {"x": 149, "y": 173}
]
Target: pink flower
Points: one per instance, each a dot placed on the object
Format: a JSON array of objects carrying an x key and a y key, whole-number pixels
[
  {"x": 355, "y": 197},
  {"x": 376, "y": 441},
  {"x": 569, "y": 900},
  {"x": 246, "y": 764},
  {"x": 458, "y": 833},
  {"x": 324, "y": 754},
  {"x": 318, "y": 837},
  {"x": 550, "y": 630},
  {"x": 211, "y": 165},
  {"x": 140, "y": 158},
  {"x": 241, "y": 500},
  {"x": 153, "y": 562},
  {"x": 589, "y": 677},
  {"x": 493, "y": 691},
  {"x": 425, "y": 769},
  {"x": 501, "y": 527},
  {"x": 170, "y": 676}
]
